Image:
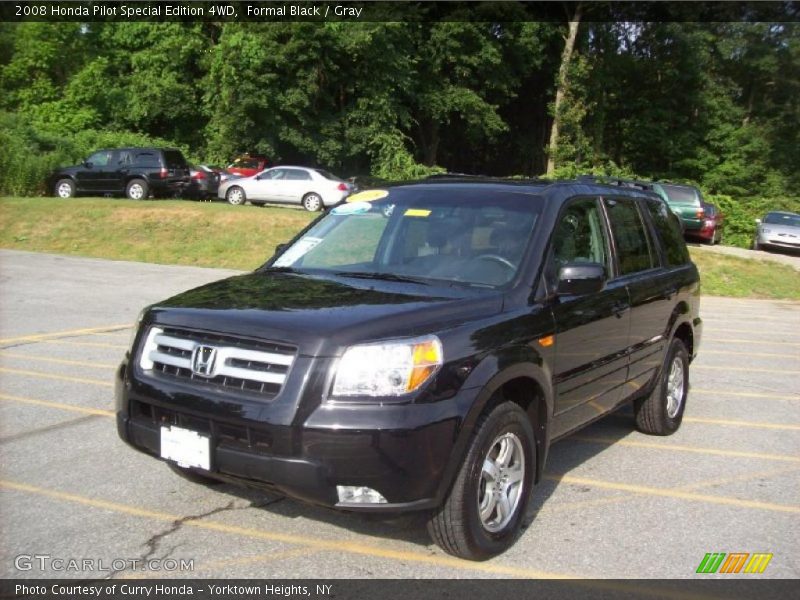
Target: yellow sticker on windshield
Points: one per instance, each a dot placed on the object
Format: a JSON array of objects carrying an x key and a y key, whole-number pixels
[
  {"x": 368, "y": 196},
  {"x": 417, "y": 212}
]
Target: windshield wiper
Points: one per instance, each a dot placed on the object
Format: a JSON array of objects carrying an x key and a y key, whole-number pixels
[
  {"x": 280, "y": 270},
  {"x": 381, "y": 276}
]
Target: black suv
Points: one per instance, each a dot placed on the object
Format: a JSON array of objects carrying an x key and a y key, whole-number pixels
[
  {"x": 136, "y": 172},
  {"x": 422, "y": 349}
]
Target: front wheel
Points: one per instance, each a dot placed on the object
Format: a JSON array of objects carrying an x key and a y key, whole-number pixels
[
  {"x": 235, "y": 195},
  {"x": 483, "y": 514},
  {"x": 661, "y": 412},
  {"x": 65, "y": 188},
  {"x": 312, "y": 202}
]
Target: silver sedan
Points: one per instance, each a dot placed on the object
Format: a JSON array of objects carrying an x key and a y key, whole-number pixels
[
  {"x": 778, "y": 230},
  {"x": 313, "y": 189}
]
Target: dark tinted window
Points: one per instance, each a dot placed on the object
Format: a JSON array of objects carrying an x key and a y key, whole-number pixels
[
  {"x": 125, "y": 157},
  {"x": 633, "y": 246},
  {"x": 669, "y": 231},
  {"x": 174, "y": 159},
  {"x": 579, "y": 235},
  {"x": 147, "y": 159}
]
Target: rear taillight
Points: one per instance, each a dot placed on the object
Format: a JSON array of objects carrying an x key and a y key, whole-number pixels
[
  {"x": 164, "y": 173},
  {"x": 700, "y": 214},
  {"x": 342, "y": 187},
  {"x": 199, "y": 175}
]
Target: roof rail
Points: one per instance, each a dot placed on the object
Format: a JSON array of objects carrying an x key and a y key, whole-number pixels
[{"x": 618, "y": 181}]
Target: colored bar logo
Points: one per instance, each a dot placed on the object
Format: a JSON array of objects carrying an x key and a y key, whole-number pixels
[{"x": 736, "y": 562}]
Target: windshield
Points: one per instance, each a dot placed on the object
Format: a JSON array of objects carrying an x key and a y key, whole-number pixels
[
  {"x": 787, "y": 220},
  {"x": 469, "y": 236}
]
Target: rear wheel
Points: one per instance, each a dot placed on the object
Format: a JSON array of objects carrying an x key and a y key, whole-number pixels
[
  {"x": 483, "y": 513},
  {"x": 235, "y": 195},
  {"x": 662, "y": 411},
  {"x": 137, "y": 189},
  {"x": 65, "y": 188},
  {"x": 312, "y": 202}
]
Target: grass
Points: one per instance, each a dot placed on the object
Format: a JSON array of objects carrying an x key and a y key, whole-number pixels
[
  {"x": 745, "y": 278},
  {"x": 207, "y": 234},
  {"x": 212, "y": 234}
]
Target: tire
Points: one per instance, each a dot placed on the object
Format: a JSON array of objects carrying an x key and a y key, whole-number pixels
[
  {"x": 235, "y": 196},
  {"x": 661, "y": 412},
  {"x": 137, "y": 189},
  {"x": 193, "y": 476},
  {"x": 457, "y": 526},
  {"x": 64, "y": 188},
  {"x": 312, "y": 202}
]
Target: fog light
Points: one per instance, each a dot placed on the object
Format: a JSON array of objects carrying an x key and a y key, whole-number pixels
[{"x": 359, "y": 495}]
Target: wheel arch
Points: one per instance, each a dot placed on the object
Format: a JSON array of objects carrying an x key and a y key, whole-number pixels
[{"x": 523, "y": 383}]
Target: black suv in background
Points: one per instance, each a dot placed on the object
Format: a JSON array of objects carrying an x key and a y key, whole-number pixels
[
  {"x": 136, "y": 172},
  {"x": 420, "y": 347}
]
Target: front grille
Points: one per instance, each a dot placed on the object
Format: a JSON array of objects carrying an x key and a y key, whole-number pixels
[
  {"x": 223, "y": 434},
  {"x": 217, "y": 361}
]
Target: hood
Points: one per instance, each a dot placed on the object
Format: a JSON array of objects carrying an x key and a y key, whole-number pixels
[{"x": 320, "y": 315}]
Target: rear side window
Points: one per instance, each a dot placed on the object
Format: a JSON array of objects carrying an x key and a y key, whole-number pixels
[
  {"x": 147, "y": 159},
  {"x": 668, "y": 229},
  {"x": 297, "y": 175},
  {"x": 174, "y": 159},
  {"x": 634, "y": 250}
]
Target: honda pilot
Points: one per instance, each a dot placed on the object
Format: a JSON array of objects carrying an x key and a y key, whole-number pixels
[{"x": 420, "y": 347}]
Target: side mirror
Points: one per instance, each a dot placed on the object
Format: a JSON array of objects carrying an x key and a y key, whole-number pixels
[
  {"x": 758, "y": 221},
  {"x": 280, "y": 248},
  {"x": 579, "y": 279},
  {"x": 258, "y": 177},
  {"x": 87, "y": 164}
]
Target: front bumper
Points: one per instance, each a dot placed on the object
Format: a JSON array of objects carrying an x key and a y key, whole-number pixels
[
  {"x": 401, "y": 451},
  {"x": 786, "y": 243}
]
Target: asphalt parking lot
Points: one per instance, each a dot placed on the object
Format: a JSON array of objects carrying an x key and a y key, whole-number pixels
[{"x": 615, "y": 503}]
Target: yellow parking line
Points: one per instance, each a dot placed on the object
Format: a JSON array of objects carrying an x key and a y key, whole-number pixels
[
  {"x": 338, "y": 546},
  {"x": 675, "y": 494},
  {"x": 557, "y": 507},
  {"x": 58, "y": 405},
  {"x": 732, "y": 423},
  {"x": 681, "y": 448},
  {"x": 58, "y": 334},
  {"x": 760, "y": 342},
  {"x": 704, "y": 351},
  {"x": 738, "y": 369},
  {"x": 61, "y": 361},
  {"x": 54, "y": 376},
  {"x": 744, "y": 394},
  {"x": 88, "y": 344}
]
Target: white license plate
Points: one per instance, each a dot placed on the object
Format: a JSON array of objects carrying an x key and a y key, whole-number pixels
[{"x": 185, "y": 447}]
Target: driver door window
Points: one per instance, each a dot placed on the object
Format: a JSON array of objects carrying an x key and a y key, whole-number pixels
[{"x": 579, "y": 236}]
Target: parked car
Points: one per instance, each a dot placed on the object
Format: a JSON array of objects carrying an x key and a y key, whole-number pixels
[
  {"x": 778, "y": 230},
  {"x": 136, "y": 172},
  {"x": 204, "y": 182},
  {"x": 425, "y": 360},
  {"x": 314, "y": 189},
  {"x": 713, "y": 225},
  {"x": 686, "y": 201},
  {"x": 248, "y": 165}
]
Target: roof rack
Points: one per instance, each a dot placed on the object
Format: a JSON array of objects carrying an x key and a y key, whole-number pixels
[{"x": 618, "y": 181}]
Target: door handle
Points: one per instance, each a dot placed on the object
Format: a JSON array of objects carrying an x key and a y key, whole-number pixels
[{"x": 620, "y": 308}]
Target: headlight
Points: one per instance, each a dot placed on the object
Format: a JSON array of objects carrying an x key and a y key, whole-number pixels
[{"x": 390, "y": 368}]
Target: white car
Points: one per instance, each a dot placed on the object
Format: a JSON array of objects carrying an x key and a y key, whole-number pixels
[{"x": 314, "y": 189}]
